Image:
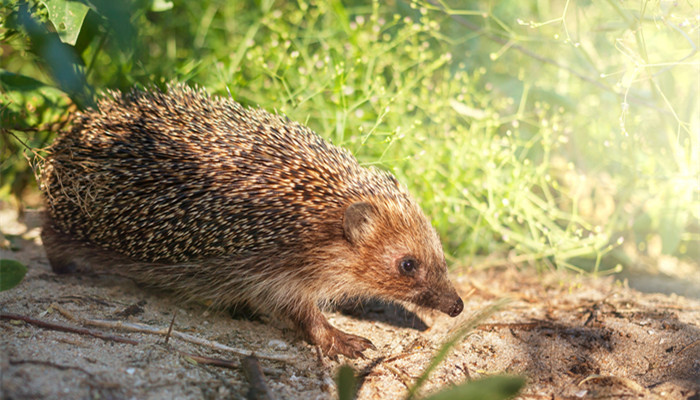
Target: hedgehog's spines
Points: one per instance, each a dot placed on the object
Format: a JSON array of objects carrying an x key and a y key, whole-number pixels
[{"x": 172, "y": 141}]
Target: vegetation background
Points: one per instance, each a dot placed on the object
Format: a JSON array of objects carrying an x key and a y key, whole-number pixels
[{"x": 555, "y": 134}]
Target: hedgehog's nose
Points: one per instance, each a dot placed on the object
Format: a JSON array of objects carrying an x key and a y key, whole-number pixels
[{"x": 456, "y": 308}]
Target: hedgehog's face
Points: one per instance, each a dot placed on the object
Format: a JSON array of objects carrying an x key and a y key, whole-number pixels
[{"x": 400, "y": 255}]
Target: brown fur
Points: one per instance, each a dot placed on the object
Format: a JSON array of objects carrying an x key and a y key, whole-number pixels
[{"x": 237, "y": 206}]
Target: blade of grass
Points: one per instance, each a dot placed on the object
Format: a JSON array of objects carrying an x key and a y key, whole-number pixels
[{"x": 457, "y": 335}]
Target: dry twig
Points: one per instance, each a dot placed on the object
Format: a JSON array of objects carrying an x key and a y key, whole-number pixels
[
  {"x": 65, "y": 328},
  {"x": 142, "y": 328},
  {"x": 607, "y": 379},
  {"x": 217, "y": 362},
  {"x": 170, "y": 328},
  {"x": 691, "y": 345},
  {"x": 403, "y": 377},
  {"x": 258, "y": 386}
]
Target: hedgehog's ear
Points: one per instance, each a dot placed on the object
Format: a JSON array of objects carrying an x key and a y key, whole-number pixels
[{"x": 357, "y": 222}]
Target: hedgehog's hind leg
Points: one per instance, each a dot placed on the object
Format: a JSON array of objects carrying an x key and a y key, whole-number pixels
[{"x": 58, "y": 249}]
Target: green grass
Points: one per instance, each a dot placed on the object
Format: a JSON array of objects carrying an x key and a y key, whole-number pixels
[{"x": 561, "y": 134}]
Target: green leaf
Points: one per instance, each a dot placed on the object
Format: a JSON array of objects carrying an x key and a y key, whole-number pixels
[
  {"x": 117, "y": 15},
  {"x": 28, "y": 103},
  {"x": 161, "y": 5},
  {"x": 493, "y": 388},
  {"x": 346, "y": 382},
  {"x": 22, "y": 83},
  {"x": 11, "y": 273},
  {"x": 67, "y": 17},
  {"x": 60, "y": 58}
]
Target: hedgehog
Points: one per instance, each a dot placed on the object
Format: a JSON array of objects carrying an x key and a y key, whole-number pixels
[{"x": 239, "y": 207}]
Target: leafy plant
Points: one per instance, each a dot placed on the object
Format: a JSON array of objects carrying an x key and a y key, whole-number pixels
[
  {"x": 540, "y": 133},
  {"x": 56, "y": 44}
]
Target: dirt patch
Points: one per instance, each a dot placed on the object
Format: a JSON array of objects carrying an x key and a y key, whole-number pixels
[{"x": 572, "y": 337}]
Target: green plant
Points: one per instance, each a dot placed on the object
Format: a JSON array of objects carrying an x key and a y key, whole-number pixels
[
  {"x": 52, "y": 46},
  {"x": 555, "y": 134}
]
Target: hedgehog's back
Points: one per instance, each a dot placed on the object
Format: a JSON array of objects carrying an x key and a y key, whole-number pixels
[{"x": 181, "y": 176}]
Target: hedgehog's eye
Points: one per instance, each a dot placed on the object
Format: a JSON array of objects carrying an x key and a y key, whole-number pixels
[{"x": 408, "y": 266}]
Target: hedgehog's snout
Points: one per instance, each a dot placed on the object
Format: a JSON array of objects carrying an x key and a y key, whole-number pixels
[
  {"x": 456, "y": 308},
  {"x": 442, "y": 298},
  {"x": 450, "y": 303}
]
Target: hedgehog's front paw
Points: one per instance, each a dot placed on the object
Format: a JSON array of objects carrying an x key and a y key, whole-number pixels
[
  {"x": 331, "y": 340},
  {"x": 346, "y": 344}
]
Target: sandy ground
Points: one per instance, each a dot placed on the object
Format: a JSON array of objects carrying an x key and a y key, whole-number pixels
[{"x": 571, "y": 337}]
